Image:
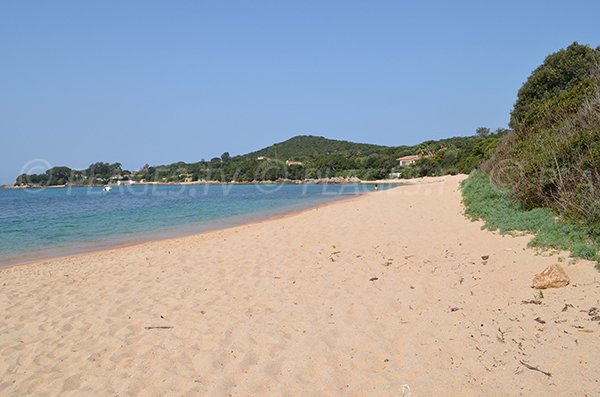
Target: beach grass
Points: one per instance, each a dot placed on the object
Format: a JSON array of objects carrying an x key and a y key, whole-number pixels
[{"x": 495, "y": 206}]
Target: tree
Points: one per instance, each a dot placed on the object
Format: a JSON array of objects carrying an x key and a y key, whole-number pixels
[
  {"x": 103, "y": 170},
  {"x": 225, "y": 157},
  {"x": 563, "y": 71},
  {"x": 59, "y": 175},
  {"x": 483, "y": 131}
]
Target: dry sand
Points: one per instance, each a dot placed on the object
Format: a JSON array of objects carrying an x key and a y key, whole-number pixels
[{"x": 365, "y": 297}]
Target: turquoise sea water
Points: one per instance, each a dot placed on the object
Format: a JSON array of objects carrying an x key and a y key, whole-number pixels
[{"x": 38, "y": 223}]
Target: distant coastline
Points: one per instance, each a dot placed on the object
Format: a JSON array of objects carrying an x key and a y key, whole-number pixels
[{"x": 319, "y": 181}]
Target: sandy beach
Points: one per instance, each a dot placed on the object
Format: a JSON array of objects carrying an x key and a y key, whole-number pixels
[{"x": 386, "y": 294}]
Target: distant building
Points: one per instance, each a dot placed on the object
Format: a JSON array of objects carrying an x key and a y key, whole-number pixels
[
  {"x": 187, "y": 178},
  {"x": 408, "y": 160},
  {"x": 290, "y": 162},
  {"x": 261, "y": 158}
]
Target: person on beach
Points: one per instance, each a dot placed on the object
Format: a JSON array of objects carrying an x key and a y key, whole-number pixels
[{"x": 376, "y": 188}]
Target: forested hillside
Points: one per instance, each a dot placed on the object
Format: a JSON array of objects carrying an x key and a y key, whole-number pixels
[
  {"x": 304, "y": 146},
  {"x": 298, "y": 158}
]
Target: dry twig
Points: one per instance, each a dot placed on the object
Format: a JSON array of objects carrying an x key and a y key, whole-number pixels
[{"x": 531, "y": 367}]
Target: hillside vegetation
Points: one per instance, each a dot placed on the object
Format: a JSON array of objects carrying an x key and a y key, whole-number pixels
[
  {"x": 551, "y": 158},
  {"x": 544, "y": 177},
  {"x": 298, "y": 158},
  {"x": 303, "y": 146}
]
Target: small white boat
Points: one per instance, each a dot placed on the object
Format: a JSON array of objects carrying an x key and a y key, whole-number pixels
[{"x": 106, "y": 189}]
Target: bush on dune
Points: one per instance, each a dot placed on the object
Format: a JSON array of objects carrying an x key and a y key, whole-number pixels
[
  {"x": 495, "y": 206},
  {"x": 551, "y": 159}
]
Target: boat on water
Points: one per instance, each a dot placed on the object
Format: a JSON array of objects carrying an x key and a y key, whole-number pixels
[{"x": 106, "y": 189}]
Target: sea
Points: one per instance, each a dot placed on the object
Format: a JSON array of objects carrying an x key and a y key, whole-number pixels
[{"x": 48, "y": 222}]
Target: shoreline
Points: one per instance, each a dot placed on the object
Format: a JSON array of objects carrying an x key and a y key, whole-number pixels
[
  {"x": 321, "y": 181},
  {"x": 151, "y": 237}
]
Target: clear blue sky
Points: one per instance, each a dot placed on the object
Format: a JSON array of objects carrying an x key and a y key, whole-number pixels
[{"x": 163, "y": 81}]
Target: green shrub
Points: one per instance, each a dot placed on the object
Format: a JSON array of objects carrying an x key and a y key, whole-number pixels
[
  {"x": 494, "y": 205},
  {"x": 552, "y": 157}
]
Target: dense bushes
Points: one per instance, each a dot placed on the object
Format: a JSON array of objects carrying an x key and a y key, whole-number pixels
[
  {"x": 552, "y": 157},
  {"x": 558, "y": 86}
]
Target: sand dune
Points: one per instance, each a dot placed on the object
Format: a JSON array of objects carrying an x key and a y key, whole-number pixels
[{"x": 379, "y": 295}]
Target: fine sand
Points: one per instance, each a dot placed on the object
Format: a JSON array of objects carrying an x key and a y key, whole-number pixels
[{"x": 382, "y": 295}]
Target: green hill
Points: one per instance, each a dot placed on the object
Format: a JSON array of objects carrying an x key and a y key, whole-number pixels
[{"x": 304, "y": 146}]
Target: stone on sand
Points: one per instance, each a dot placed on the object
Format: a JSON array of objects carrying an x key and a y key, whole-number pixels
[{"x": 551, "y": 277}]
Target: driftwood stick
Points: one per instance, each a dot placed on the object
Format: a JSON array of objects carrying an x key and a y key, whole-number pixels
[
  {"x": 531, "y": 367},
  {"x": 159, "y": 327}
]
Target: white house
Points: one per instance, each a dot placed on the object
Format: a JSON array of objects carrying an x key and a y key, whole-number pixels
[{"x": 408, "y": 160}]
